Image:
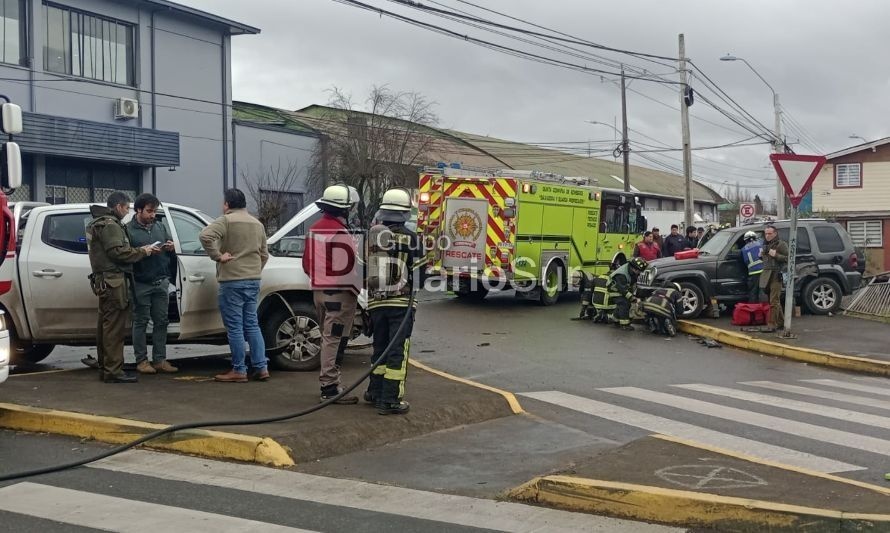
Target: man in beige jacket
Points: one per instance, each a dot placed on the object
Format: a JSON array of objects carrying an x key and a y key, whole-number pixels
[{"x": 237, "y": 242}]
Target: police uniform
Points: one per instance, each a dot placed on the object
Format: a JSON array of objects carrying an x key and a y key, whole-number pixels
[
  {"x": 111, "y": 261},
  {"x": 393, "y": 256},
  {"x": 771, "y": 279}
]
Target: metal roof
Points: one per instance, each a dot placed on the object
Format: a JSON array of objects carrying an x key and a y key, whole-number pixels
[
  {"x": 858, "y": 148},
  {"x": 234, "y": 28}
]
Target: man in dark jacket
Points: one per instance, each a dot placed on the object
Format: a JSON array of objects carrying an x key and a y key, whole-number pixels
[
  {"x": 111, "y": 261},
  {"x": 151, "y": 296},
  {"x": 775, "y": 258},
  {"x": 674, "y": 242}
]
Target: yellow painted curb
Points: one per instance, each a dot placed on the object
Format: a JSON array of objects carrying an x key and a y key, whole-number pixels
[
  {"x": 740, "y": 340},
  {"x": 206, "y": 443},
  {"x": 686, "y": 508},
  {"x": 509, "y": 396}
]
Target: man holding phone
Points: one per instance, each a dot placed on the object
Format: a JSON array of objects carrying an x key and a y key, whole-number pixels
[{"x": 151, "y": 285}]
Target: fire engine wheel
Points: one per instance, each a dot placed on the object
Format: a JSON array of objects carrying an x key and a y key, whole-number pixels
[
  {"x": 293, "y": 343},
  {"x": 693, "y": 300},
  {"x": 554, "y": 280}
]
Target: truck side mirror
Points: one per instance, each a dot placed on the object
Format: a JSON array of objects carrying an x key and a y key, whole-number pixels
[
  {"x": 11, "y": 119},
  {"x": 11, "y": 165}
]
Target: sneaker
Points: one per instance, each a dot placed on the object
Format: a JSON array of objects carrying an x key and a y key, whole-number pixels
[
  {"x": 144, "y": 367},
  {"x": 345, "y": 400},
  {"x": 231, "y": 377},
  {"x": 165, "y": 367},
  {"x": 399, "y": 408}
]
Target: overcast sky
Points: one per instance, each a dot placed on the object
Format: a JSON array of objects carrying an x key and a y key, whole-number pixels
[{"x": 826, "y": 59}]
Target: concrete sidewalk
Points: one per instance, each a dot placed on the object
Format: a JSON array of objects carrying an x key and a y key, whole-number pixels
[
  {"x": 836, "y": 341},
  {"x": 191, "y": 395},
  {"x": 667, "y": 480}
]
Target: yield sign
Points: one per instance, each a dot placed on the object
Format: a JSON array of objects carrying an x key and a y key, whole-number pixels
[{"x": 797, "y": 173}]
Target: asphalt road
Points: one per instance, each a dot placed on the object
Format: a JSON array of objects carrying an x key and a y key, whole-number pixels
[{"x": 616, "y": 386}]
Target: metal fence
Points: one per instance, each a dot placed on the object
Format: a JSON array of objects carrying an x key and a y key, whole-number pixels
[{"x": 873, "y": 300}]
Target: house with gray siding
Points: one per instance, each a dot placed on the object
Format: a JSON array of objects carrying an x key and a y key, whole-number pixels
[{"x": 133, "y": 95}]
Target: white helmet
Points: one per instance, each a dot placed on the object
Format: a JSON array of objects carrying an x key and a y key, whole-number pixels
[
  {"x": 750, "y": 236},
  {"x": 396, "y": 200},
  {"x": 337, "y": 196}
]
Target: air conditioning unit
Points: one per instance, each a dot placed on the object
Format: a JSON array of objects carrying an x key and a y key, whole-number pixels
[{"x": 126, "y": 109}]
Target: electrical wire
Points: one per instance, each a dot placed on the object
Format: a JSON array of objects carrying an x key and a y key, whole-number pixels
[{"x": 220, "y": 423}]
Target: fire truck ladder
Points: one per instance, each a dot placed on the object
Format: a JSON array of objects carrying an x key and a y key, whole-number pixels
[{"x": 873, "y": 300}]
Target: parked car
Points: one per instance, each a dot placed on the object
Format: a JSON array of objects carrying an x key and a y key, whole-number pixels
[
  {"x": 827, "y": 269},
  {"x": 50, "y": 301}
]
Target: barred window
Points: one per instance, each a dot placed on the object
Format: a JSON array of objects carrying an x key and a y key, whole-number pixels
[
  {"x": 848, "y": 175},
  {"x": 80, "y": 44},
  {"x": 12, "y": 28}
]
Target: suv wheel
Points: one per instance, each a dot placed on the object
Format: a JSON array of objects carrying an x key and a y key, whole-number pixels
[
  {"x": 293, "y": 343},
  {"x": 693, "y": 300},
  {"x": 822, "y": 296}
]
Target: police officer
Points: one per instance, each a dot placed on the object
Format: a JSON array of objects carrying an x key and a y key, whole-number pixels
[
  {"x": 621, "y": 282},
  {"x": 751, "y": 257},
  {"x": 111, "y": 260},
  {"x": 775, "y": 257},
  {"x": 393, "y": 256},
  {"x": 330, "y": 261}
]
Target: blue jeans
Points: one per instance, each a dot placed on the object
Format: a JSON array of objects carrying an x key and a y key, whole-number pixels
[{"x": 238, "y": 304}]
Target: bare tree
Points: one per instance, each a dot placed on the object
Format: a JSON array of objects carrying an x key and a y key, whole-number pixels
[
  {"x": 272, "y": 191},
  {"x": 376, "y": 147}
]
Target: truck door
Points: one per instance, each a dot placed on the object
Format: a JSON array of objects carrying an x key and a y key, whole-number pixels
[
  {"x": 196, "y": 281},
  {"x": 466, "y": 222},
  {"x": 54, "y": 272}
]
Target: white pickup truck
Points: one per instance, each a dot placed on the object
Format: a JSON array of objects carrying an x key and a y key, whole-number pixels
[{"x": 50, "y": 301}]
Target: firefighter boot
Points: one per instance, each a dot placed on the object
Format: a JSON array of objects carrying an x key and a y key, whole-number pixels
[
  {"x": 652, "y": 322},
  {"x": 398, "y": 408},
  {"x": 670, "y": 327},
  {"x": 375, "y": 389}
]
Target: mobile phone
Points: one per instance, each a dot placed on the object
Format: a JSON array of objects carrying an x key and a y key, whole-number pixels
[{"x": 156, "y": 244}]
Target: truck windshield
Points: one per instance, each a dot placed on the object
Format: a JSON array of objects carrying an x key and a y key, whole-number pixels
[{"x": 717, "y": 243}]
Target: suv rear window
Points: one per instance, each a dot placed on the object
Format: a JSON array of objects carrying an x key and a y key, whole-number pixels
[
  {"x": 803, "y": 239},
  {"x": 828, "y": 239}
]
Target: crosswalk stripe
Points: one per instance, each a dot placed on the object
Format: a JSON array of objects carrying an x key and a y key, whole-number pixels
[
  {"x": 446, "y": 508},
  {"x": 111, "y": 513},
  {"x": 666, "y": 426},
  {"x": 883, "y": 391},
  {"x": 793, "y": 405},
  {"x": 818, "y": 393},
  {"x": 774, "y": 423}
]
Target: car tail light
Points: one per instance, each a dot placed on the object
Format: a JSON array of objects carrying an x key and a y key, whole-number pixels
[{"x": 854, "y": 261}]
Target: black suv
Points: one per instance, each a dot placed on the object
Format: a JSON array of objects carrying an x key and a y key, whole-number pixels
[{"x": 827, "y": 268}]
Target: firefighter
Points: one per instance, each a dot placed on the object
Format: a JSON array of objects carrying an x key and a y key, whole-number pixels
[
  {"x": 621, "y": 281},
  {"x": 603, "y": 299},
  {"x": 330, "y": 260},
  {"x": 662, "y": 308},
  {"x": 751, "y": 257},
  {"x": 393, "y": 255}
]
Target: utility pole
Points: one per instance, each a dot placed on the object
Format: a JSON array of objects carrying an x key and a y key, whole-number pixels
[
  {"x": 625, "y": 143},
  {"x": 779, "y": 148},
  {"x": 689, "y": 206}
]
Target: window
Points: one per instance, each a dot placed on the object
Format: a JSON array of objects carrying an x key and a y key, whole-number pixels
[
  {"x": 67, "y": 232},
  {"x": 803, "y": 239},
  {"x": 188, "y": 230},
  {"x": 11, "y": 18},
  {"x": 77, "y": 181},
  {"x": 85, "y": 45},
  {"x": 847, "y": 175},
  {"x": 828, "y": 239},
  {"x": 867, "y": 233}
]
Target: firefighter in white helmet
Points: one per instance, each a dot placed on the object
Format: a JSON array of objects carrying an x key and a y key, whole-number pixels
[
  {"x": 330, "y": 261},
  {"x": 393, "y": 256}
]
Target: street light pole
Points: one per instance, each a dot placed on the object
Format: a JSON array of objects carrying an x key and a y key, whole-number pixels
[{"x": 778, "y": 145}]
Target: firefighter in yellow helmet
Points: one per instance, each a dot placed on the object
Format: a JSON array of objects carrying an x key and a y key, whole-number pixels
[{"x": 393, "y": 255}]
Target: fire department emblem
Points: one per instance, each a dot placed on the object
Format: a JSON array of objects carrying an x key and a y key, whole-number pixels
[{"x": 465, "y": 225}]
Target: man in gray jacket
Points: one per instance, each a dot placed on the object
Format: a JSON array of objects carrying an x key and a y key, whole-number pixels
[{"x": 237, "y": 242}]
